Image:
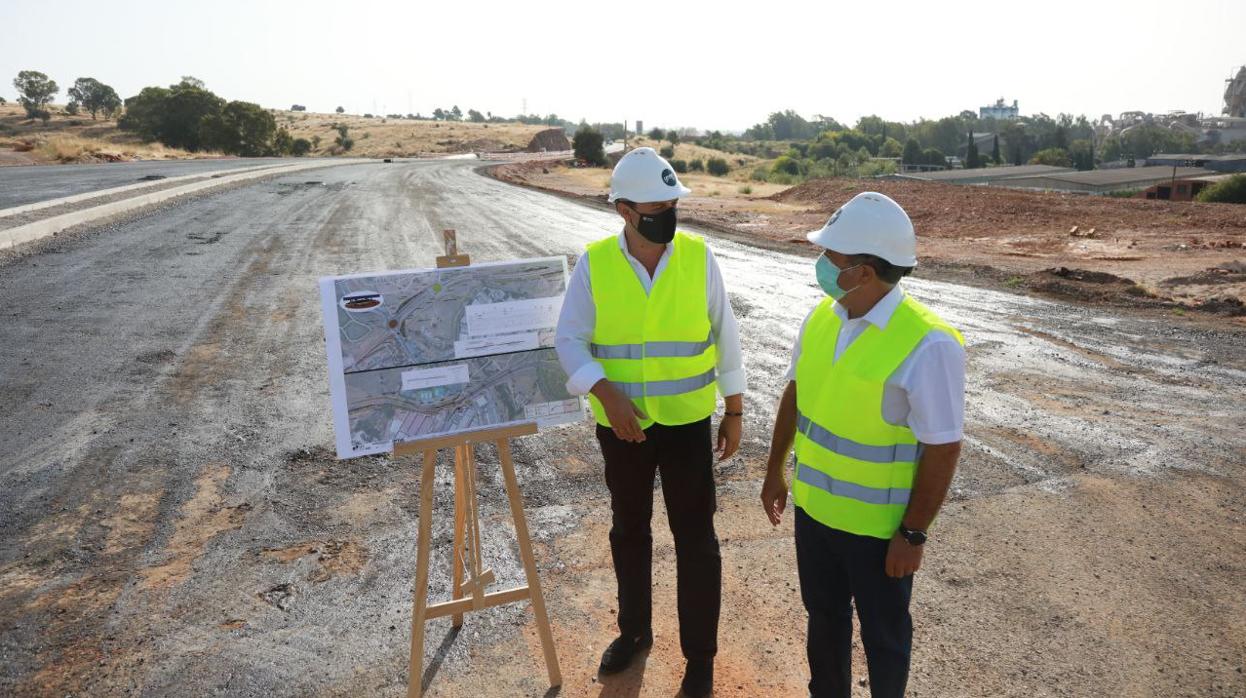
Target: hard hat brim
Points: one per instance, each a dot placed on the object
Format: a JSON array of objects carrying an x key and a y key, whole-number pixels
[{"x": 654, "y": 195}]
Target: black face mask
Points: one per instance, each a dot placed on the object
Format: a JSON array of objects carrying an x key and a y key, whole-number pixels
[{"x": 659, "y": 228}]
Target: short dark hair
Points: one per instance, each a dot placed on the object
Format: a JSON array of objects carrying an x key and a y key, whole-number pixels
[{"x": 886, "y": 270}]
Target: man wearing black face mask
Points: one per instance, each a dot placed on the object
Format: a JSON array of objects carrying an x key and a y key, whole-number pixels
[{"x": 647, "y": 332}]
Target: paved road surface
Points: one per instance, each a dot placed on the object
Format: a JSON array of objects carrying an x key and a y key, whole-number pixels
[
  {"x": 172, "y": 521},
  {"x": 24, "y": 185}
]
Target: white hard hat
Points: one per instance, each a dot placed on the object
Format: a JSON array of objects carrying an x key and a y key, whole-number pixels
[
  {"x": 871, "y": 223},
  {"x": 642, "y": 176}
]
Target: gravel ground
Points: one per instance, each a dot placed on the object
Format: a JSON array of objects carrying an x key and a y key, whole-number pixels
[{"x": 173, "y": 521}]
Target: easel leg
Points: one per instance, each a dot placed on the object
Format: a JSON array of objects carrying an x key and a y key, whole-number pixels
[
  {"x": 529, "y": 564},
  {"x": 415, "y": 669},
  {"x": 460, "y": 514}
]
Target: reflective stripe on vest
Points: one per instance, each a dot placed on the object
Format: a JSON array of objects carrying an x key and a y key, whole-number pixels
[
  {"x": 650, "y": 349},
  {"x": 655, "y": 347},
  {"x": 855, "y": 471},
  {"x": 851, "y": 490},
  {"x": 823, "y": 437}
]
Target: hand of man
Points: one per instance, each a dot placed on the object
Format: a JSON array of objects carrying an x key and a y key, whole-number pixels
[
  {"x": 903, "y": 558},
  {"x": 774, "y": 497},
  {"x": 623, "y": 414},
  {"x": 729, "y": 430}
]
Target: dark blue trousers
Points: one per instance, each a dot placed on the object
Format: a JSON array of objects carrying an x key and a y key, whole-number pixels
[{"x": 837, "y": 568}]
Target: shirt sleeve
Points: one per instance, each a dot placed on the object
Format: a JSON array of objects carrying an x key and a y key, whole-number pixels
[
  {"x": 731, "y": 377},
  {"x": 935, "y": 384},
  {"x": 791, "y": 368},
  {"x": 576, "y": 321}
]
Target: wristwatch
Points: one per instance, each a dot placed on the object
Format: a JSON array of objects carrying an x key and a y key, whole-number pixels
[{"x": 913, "y": 537}]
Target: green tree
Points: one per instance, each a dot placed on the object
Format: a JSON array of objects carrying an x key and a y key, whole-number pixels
[
  {"x": 891, "y": 148},
  {"x": 995, "y": 150},
  {"x": 340, "y": 110},
  {"x": 587, "y": 144},
  {"x": 244, "y": 128},
  {"x": 475, "y": 116},
  {"x": 300, "y": 147},
  {"x": 971, "y": 154},
  {"x": 934, "y": 156},
  {"x": 673, "y": 136},
  {"x": 456, "y": 114},
  {"x": 912, "y": 152},
  {"x": 1052, "y": 156},
  {"x": 144, "y": 113},
  {"x": 717, "y": 167},
  {"x": 95, "y": 97},
  {"x": 1082, "y": 153},
  {"x": 657, "y": 134},
  {"x": 283, "y": 142},
  {"x": 782, "y": 126},
  {"x": 34, "y": 92},
  {"x": 1228, "y": 191},
  {"x": 189, "y": 103}
]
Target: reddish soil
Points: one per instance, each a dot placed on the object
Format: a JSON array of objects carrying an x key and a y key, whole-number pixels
[{"x": 1164, "y": 255}]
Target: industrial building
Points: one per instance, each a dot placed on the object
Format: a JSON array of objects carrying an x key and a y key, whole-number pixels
[
  {"x": 982, "y": 175},
  {"x": 1232, "y": 162},
  {"x": 1105, "y": 181},
  {"x": 999, "y": 110}
]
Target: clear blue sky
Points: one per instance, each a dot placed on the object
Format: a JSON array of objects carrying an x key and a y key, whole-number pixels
[{"x": 709, "y": 65}]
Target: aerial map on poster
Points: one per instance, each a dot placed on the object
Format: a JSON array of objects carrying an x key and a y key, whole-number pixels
[{"x": 429, "y": 352}]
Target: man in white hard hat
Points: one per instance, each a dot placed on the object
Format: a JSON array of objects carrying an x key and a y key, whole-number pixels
[
  {"x": 875, "y": 405},
  {"x": 647, "y": 332}
]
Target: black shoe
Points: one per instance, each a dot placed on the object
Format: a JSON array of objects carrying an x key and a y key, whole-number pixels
[
  {"x": 620, "y": 652},
  {"x": 698, "y": 678}
]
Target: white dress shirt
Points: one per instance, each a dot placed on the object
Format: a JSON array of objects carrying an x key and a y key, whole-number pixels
[
  {"x": 927, "y": 392},
  {"x": 579, "y": 317}
]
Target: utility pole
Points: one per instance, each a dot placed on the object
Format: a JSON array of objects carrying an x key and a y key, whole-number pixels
[{"x": 625, "y": 135}]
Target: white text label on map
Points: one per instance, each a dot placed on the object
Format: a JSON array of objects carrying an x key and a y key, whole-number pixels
[
  {"x": 419, "y": 378},
  {"x": 502, "y": 344},
  {"x": 512, "y": 316}
]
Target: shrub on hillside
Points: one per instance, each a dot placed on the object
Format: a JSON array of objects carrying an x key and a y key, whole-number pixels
[
  {"x": 681, "y": 166},
  {"x": 697, "y": 165},
  {"x": 667, "y": 151},
  {"x": 1228, "y": 191},
  {"x": 717, "y": 167}
]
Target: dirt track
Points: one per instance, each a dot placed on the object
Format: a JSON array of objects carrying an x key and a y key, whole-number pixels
[{"x": 173, "y": 522}]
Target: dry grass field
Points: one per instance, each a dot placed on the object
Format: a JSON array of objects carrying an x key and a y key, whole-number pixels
[
  {"x": 382, "y": 137},
  {"x": 78, "y": 138}
]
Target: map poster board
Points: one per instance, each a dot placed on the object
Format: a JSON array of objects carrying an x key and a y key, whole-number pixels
[{"x": 431, "y": 352}]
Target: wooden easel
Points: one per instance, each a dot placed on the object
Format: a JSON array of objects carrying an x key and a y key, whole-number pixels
[{"x": 470, "y": 580}]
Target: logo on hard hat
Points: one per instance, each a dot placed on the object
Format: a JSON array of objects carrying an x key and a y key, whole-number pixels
[
  {"x": 834, "y": 216},
  {"x": 669, "y": 178}
]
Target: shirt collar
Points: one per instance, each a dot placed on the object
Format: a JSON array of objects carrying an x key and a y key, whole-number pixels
[
  {"x": 626, "y": 253},
  {"x": 882, "y": 311}
]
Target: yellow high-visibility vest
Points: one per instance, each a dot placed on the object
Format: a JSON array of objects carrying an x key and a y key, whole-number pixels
[
  {"x": 854, "y": 471},
  {"x": 657, "y": 347}
]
